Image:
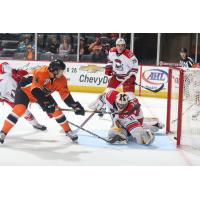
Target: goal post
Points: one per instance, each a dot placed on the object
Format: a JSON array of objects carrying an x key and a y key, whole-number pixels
[{"x": 183, "y": 106}]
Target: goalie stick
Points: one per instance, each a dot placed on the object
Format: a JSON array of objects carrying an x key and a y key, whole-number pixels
[
  {"x": 90, "y": 132},
  {"x": 85, "y": 121}
]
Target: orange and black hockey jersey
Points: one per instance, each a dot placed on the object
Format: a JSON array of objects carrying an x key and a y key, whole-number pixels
[{"x": 41, "y": 79}]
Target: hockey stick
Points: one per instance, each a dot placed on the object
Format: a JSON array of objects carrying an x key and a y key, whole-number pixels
[
  {"x": 90, "y": 111},
  {"x": 90, "y": 132},
  {"x": 96, "y": 111},
  {"x": 85, "y": 121},
  {"x": 147, "y": 88},
  {"x": 156, "y": 90}
]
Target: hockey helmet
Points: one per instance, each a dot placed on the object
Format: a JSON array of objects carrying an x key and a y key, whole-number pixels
[
  {"x": 56, "y": 65},
  {"x": 120, "y": 41},
  {"x": 121, "y": 101}
]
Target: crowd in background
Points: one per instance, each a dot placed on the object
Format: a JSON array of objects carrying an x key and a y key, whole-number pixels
[{"x": 93, "y": 47}]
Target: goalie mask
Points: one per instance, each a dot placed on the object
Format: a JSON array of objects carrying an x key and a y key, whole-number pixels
[{"x": 121, "y": 101}]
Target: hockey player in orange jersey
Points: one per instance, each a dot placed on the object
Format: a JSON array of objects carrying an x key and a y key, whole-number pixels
[
  {"x": 9, "y": 79},
  {"x": 38, "y": 88}
]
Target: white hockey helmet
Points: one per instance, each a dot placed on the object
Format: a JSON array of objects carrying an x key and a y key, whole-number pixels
[
  {"x": 121, "y": 101},
  {"x": 120, "y": 41}
]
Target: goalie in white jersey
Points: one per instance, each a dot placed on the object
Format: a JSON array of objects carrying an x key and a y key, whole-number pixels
[
  {"x": 9, "y": 79},
  {"x": 122, "y": 67},
  {"x": 127, "y": 118}
]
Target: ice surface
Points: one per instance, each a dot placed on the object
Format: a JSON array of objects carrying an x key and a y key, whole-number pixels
[{"x": 27, "y": 146}]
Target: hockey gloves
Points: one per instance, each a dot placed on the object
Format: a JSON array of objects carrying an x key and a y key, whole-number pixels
[
  {"x": 108, "y": 69},
  {"x": 78, "y": 108},
  {"x": 48, "y": 104}
]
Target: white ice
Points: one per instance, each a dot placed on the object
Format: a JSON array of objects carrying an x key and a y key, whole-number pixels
[{"x": 27, "y": 146}]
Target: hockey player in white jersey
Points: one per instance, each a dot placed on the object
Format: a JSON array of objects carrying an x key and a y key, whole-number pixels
[
  {"x": 9, "y": 79},
  {"x": 122, "y": 67},
  {"x": 127, "y": 118}
]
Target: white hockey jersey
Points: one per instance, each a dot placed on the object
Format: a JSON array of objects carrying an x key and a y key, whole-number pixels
[
  {"x": 7, "y": 87},
  {"x": 122, "y": 64}
]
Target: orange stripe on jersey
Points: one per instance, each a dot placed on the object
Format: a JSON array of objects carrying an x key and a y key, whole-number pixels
[{"x": 41, "y": 79}]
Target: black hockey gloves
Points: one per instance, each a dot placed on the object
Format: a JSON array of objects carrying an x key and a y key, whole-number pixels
[{"x": 78, "y": 108}]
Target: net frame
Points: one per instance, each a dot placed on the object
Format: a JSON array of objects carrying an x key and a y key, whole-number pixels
[{"x": 185, "y": 97}]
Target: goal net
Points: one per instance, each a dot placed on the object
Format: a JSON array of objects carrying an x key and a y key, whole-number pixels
[{"x": 183, "y": 109}]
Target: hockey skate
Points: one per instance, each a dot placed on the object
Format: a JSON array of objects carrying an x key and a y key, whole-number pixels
[
  {"x": 2, "y": 137},
  {"x": 159, "y": 125},
  {"x": 73, "y": 136}
]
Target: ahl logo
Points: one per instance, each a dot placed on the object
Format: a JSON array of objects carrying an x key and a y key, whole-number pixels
[{"x": 155, "y": 76}]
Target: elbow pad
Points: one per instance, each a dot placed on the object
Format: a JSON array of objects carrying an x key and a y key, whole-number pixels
[{"x": 38, "y": 94}]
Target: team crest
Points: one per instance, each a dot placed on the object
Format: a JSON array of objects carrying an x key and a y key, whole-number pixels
[{"x": 118, "y": 65}]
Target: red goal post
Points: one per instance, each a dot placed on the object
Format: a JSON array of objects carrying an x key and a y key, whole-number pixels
[{"x": 183, "y": 106}]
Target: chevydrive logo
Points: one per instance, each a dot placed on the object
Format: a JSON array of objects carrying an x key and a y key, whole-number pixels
[{"x": 155, "y": 76}]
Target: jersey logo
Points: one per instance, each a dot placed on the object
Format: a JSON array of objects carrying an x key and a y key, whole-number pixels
[{"x": 118, "y": 65}]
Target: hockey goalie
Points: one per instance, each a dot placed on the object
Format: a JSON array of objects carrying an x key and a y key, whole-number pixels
[{"x": 127, "y": 118}]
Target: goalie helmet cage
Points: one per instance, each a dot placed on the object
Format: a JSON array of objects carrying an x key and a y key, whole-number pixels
[{"x": 183, "y": 106}]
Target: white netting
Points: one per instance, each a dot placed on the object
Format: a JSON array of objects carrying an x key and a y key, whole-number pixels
[{"x": 190, "y": 131}]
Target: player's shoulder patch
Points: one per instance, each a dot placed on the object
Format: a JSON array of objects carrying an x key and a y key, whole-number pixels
[{"x": 128, "y": 53}]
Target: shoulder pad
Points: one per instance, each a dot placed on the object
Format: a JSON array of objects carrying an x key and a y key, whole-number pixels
[{"x": 128, "y": 53}]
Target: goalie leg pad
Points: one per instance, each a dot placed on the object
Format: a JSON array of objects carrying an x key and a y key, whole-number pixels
[
  {"x": 117, "y": 134},
  {"x": 143, "y": 136}
]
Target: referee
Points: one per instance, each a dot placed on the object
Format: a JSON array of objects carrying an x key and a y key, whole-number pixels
[{"x": 185, "y": 60}]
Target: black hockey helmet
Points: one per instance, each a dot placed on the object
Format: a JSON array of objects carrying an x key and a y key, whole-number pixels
[
  {"x": 183, "y": 50},
  {"x": 56, "y": 65}
]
